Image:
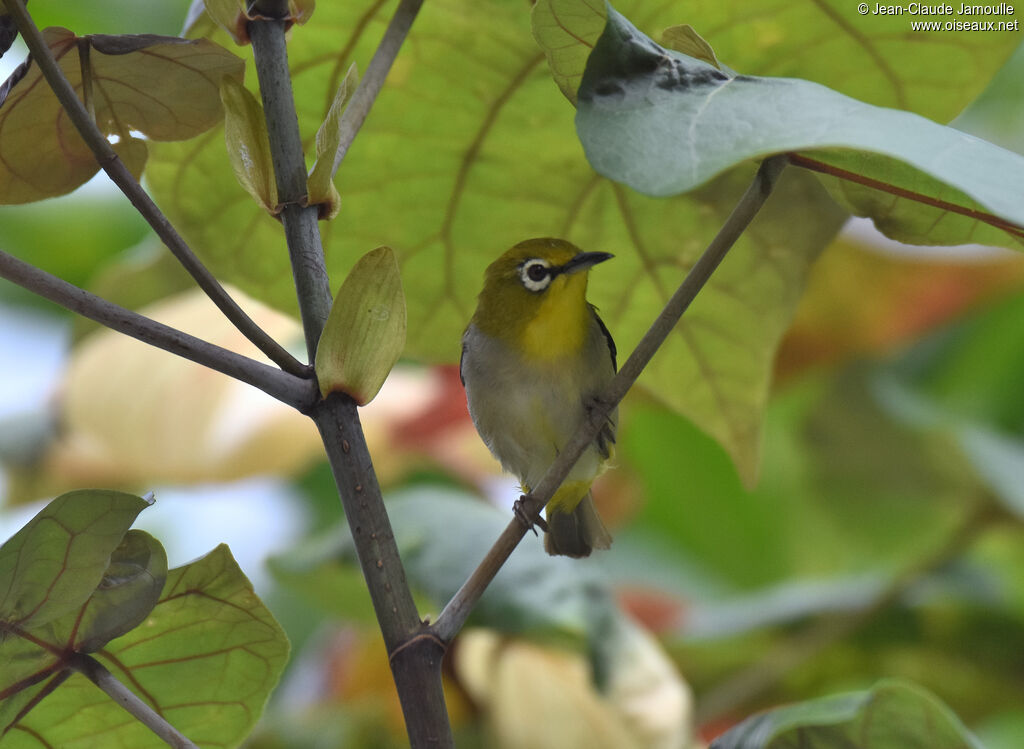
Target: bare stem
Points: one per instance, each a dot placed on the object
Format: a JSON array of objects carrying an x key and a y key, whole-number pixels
[
  {"x": 414, "y": 653},
  {"x": 806, "y": 162},
  {"x": 120, "y": 176},
  {"x": 97, "y": 673},
  {"x": 375, "y": 74},
  {"x": 455, "y": 613},
  {"x": 295, "y": 391},
  {"x": 300, "y": 221}
]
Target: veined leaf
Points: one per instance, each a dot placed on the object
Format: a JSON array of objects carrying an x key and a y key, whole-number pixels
[
  {"x": 891, "y": 715},
  {"x": 877, "y": 59},
  {"x": 365, "y": 330},
  {"x": 248, "y": 144},
  {"x": 492, "y": 160},
  {"x": 206, "y": 657},
  {"x": 164, "y": 87},
  {"x": 74, "y": 578},
  {"x": 320, "y": 184},
  {"x": 54, "y": 563},
  {"x": 665, "y": 123}
]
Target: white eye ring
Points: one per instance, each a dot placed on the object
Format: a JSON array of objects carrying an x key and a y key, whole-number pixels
[{"x": 535, "y": 274}]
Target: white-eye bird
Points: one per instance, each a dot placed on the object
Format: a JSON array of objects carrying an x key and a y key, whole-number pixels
[{"x": 534, "y": 358}]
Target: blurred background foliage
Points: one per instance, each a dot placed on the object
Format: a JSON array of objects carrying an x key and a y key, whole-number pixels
[{"x": 884, "y": 538}]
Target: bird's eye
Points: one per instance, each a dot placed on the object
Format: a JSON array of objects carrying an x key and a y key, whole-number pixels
[{"x": 535, "y": 274}]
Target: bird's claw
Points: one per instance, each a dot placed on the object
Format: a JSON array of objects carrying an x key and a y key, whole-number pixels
[
  {"x": 606, "y": 437},
  {"x": 530, "y": 523}
]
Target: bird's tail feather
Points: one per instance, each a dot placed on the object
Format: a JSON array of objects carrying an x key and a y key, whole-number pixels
[{"x": 576, "y": 533}]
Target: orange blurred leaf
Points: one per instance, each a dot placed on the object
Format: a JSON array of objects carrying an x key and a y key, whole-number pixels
[{"x": 862, "y": 301}]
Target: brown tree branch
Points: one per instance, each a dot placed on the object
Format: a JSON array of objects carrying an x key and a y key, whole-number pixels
[
  {"x": 301, "y": 227},
  {"x": 455, "y": 613},
  {"x": 295, "y": 391},
  {"x": 111, "y": 163},
  {"x": 414, "y": 655}
]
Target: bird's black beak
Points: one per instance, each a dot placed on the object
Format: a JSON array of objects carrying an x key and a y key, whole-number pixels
[{"x": 585, "y": 261}]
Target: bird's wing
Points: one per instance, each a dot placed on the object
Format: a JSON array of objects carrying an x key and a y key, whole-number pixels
[{"x": 607, "y": 337}]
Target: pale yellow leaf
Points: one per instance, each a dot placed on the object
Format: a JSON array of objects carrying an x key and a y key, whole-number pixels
[
  {"x": 365, "y": 330},
  {"x": 133, "y": 414},
  {"x": 230, "y": 16},
  {"x": 684, "y": 38},
  {"x": 320, "y": 184},
  {"x": 245, "y": 134},
  {"x": 646, "y": 705}
]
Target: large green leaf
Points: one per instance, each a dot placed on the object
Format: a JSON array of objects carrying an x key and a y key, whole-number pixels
[
  {"x": 878, "y": 59},
  {"x": 890, "y": 715},
  {"x": 54, "y": 563},
  {"x": 74, "y": 578},
  {"x": 40, "y": 658},
  {"x": 664, "y": 123},
  {"x": 205, "y": 658},
  {"x": 492, "y": 160}
]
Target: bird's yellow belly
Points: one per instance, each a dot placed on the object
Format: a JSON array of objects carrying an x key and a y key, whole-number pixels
[{"x": 539, "y": 416}]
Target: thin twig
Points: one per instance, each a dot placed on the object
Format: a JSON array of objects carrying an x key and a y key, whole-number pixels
[
  {"x": 98, "y": 674},
  {"x": 111, "y": 163},
  {"x": 375, "y": 75},
  {"x": 821, "y": 167},
  {"x": 455, "y": 613},
  {"x": 295, "y": 391}
]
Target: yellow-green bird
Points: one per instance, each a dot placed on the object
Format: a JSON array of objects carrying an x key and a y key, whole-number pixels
[{"x": 534, "y": 358}]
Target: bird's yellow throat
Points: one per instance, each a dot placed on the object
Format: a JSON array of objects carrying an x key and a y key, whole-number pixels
[{"x": 559, "y": 327}]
